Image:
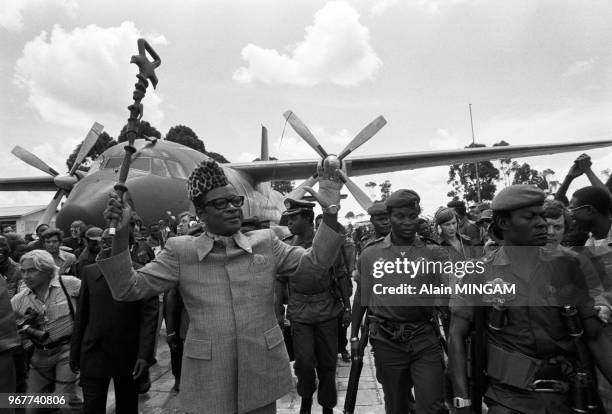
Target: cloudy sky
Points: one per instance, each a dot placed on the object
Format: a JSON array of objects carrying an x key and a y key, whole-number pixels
[{"x": 534, "y": 72}]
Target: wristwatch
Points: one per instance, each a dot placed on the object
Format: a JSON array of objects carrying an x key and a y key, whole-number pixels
[
  {"x": 459, "y": 402},
  {"x": 355, "y": 339},
  {"x": 331, "y": 209}
]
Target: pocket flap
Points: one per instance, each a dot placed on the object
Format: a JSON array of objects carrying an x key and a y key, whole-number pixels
[
  {"x": 274, "y": 337},
  {"x": 198, "y": 349}
]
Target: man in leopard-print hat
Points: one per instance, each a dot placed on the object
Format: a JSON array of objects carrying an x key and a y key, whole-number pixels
[{"x": 234, "y": 357}]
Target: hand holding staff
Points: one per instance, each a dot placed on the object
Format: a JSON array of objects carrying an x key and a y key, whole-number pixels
[{"x": 146, "y": 70}]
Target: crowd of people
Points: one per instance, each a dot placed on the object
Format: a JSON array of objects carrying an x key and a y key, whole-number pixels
[{"x": 240, "y": 301}]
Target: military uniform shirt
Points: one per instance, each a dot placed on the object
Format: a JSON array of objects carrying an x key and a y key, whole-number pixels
[{"x": 405, "y": 308}]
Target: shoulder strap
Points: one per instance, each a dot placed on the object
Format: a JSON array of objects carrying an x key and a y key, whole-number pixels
[{"x": 70, "y": 305}]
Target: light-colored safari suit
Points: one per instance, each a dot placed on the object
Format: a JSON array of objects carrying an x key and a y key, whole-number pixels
[{"x": 234, "y": 357}]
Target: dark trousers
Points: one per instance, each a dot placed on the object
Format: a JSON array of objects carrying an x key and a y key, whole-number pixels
[
  {"x": 315, "y": 347},
  {"x": 342, "y": 339},
  {"x": 7, "y": 376},
  {"x": 176, "y": 359},
  {"x": 95, "y": 391},
  {"x": 417, "y": 362}
]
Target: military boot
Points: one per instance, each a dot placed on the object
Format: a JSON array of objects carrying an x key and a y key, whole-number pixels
[{"x": 306, "y": 405}]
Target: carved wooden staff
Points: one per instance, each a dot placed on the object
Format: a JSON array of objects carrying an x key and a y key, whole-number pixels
[{"x": 146, "y": 70}]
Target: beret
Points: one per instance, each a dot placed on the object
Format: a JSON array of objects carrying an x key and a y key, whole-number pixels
[
  {"x": 444, "y": 214},
  {"x": 517, "y": 196},
  {"x": 403, "y": 198},
  {"x": 205, "y": 177},
  {"x": 377, "y": 208}
]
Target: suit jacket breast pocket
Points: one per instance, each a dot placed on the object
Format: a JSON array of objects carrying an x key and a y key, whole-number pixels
[{"x": 260, "y": 263}]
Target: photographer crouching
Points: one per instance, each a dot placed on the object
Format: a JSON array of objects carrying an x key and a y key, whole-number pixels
[{"x": 44, "y": 311}]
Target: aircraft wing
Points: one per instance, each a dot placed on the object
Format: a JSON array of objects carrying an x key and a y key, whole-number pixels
[
  {"x": 375, "y": 164},
  {"x": 41, "y": 183}
]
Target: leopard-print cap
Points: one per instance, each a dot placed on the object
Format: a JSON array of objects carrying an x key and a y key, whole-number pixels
[{"x": 205, "y": 177}]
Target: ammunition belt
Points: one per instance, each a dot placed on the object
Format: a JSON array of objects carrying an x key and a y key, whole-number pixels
[{"x": 527, "y": 373}]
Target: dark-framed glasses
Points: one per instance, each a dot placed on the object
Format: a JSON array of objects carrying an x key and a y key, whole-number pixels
[
  {"x": 574, "y": 209},
  {"x": 222, "y": 203}
]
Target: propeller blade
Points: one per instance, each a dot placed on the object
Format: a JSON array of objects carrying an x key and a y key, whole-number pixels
[
  {"x": 31, "y": 159},
  {"x": 86, "y": 146},
  {"x": 299, "y": 192},
  {"x": 52, "y": 207},
  {"x": 362, "y": 198},
  {"x": 363, "y": 137},
  {"x": 303, "y": 131}
]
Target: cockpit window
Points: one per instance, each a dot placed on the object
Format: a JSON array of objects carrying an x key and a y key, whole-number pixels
[
  {"x": 176, "y": 170},
  {"x": 142, "y": 164},
  {"x": 159, "y": 168}
]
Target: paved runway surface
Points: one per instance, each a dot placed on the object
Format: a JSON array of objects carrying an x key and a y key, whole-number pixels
[{"x": 160, "y": 399}]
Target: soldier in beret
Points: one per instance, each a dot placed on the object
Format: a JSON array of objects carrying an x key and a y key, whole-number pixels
[
  {"x": 526, "y": 360},
  {"x": 406, "y": 347},
  {"x": 315, "y": 302},
  {"x": 234, "y": 359}
]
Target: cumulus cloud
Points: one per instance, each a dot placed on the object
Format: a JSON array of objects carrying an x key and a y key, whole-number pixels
[
  {"x": 580, "y": 67},
  {"x": 335, "y": 49},
  {"x": 12, "y": 11},
  {"x": 379, "y": 7},
  {"x": 77, "y": 77}
]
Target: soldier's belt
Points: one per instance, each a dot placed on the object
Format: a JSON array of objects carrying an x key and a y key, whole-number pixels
[
  {"x": 396, "y": 331},
  {"x": 317, "y": 297},
  {"x": 527, "y": 373}
]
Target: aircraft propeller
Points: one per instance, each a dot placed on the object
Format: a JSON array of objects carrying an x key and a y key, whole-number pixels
[
  {"x": 331, "y": 160},
  {"x": 63, "y": 182}
]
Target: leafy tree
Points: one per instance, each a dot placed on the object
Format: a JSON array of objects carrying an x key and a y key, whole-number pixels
[
  {"x": 463, "y": 179},
  {"x": 104, "y": 142},
  {"x": 524, "y": 174},
  {"x": 217, "y": 157},
  {"x": 505, "y": 164},
  {"x": 184, "y": 135},
  {"x": 385, "y": 190},
  {"x": 371, "y": 185},
  {"x": 282, "y": 186},
  {"x": 145, "y": 130}
]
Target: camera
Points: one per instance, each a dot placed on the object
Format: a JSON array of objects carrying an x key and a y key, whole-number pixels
[{"x": 28, "y": 326}]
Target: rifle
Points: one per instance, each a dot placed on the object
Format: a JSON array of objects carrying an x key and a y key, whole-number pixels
[
  {"x": 476, "y": 350},
  {"x": 356, "y": 366}
]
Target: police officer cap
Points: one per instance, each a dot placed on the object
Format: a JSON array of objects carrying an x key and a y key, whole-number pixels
[
  {"x": 377, "y": 208},
  {"x": 296, "y": 206},
  {"x": 517, "y": 196},
  {"x": 403, "y": 198}
]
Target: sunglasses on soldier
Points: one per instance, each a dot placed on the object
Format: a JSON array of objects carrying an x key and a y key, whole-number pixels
[
  {"x": 222, "y": 203},
  {"x": 574, "y": 209}
]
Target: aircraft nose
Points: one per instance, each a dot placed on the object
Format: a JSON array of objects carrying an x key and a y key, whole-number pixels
[{"x": 87, "y": 204}]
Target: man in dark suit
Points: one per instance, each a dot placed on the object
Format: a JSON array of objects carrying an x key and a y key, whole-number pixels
[{"x": 111, "y": 340}]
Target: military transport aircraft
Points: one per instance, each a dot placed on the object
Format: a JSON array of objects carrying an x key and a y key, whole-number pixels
[{"x": 159, "y": 170}]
